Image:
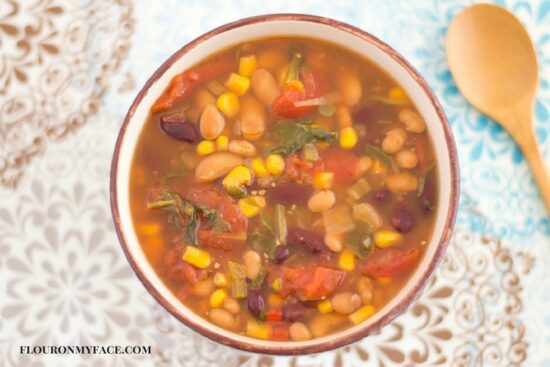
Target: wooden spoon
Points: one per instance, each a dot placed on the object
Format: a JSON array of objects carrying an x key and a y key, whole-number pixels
[{"x": 494, "y": 64}]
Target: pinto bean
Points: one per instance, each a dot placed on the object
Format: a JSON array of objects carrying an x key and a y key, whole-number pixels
[
  {"x": 402, "y": 182},
  {"x": 216, "y": 165},
  {"x": 222, "y": 318},
  {"x": 395, "y": 140},
  {"x": 253, "y": 118},
  {"x": 321, "y": 201},
  {"x": 212, "y": 122},
  {"x": 350, "y": 88},
  {"x": 242, "y": 147},
  {"x": 299, "y": 332},
  {"x": 412, "y": 120},
  {"x": 264, "y": 86},
  {"x": 345, "y": 302}
]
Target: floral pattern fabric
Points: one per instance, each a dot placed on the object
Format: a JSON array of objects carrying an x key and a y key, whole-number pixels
[{"x": 69, "y": 71}]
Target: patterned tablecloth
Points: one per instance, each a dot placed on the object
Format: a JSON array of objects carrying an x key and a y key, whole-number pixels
[{"x": 68, "y": 72}]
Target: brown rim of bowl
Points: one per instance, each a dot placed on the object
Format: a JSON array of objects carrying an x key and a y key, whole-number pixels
[{"x": 284, "y": 348}]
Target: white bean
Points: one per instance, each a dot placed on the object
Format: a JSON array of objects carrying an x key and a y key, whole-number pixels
[
  {"x": 412, "y": 120},
  {"x": 406, "y": 159},
  {"x": 402, "y": 182},
  {"x": 222, "y": 318},
  {"x": 365, "y": 289},
  {"x": 350, "y": 88},
  {"x": 203, "y": 288},
  {"x": 395, "y": 140},
  {"x": 299, "y": 332},
  {"x": 252, "y": 264},
  {"x": 321, "y": 201},
  {"x": 231, "y": 305},
  {"x": 334, "y": 242},
  {"x": 345, "y": 302}
]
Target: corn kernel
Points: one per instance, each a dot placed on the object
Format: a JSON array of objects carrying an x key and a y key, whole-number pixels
[
  {"x": 383, "y": 280},
  {"x": 197, "y": 257},
  {"x": 274, "y": 300},
  {"x": 379, "y": 167},
  {"x": 238, "y": 176},
  {"x": 237, "y": 84},
  {"x": 347, "y": 260},
  {"x": 386, "y": 238},
  {"x": 206, "y": 147},
  {"x": 228, "y": 103},
  {"x": 258, "y": 166},
  {"x": 251, "y": 206},
  {"x": 222, "y": 142},
  {"x": 348, "y": 137},
  {"x": 247, "y": 65},
  {"x": 397, "y": 93},
  {"x": 257, "y": 330},
  {"x": 275, "y": 164},
  {"x": 324, "y": 306},
  {"x": 323, "y": 180},
  {"x": 362, "y": 314},
  {"x": 220, "y": 280},
  {"x": 277, "y": 284},
  {"x": 295, "y": 84},
  {"x": 217, "y": 297}
]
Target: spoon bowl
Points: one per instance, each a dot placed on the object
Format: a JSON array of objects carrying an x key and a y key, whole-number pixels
[{"x": 494, "y": 64}]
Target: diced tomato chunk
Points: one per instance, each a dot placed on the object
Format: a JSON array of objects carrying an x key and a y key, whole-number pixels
[
  {"x": 343, "y": 163},
  {"x": 177, "y": 269},
  {"x": 311, "y": 282},
  {"x": 302, "y": 171},
  {"x": 390, "y": 262},
  {"x": 314, "y": 86},
  {"x": 274, "y": 315},
  {"x": 280, "y": 333},
  {"x": 183, "y": 84},
  {"x": 228, "y": 211}
]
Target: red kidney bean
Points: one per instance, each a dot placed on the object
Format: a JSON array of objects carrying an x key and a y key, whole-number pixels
[
  {"x": 281, "y": 254},
  {"x": 178, "y": 128},
  {"x": 380, "y": 196},
  {"x": 255, "y": 302},
  {"x": 310, "y": 240},
  {"x": 402, "y": 219},
  {"x": 288, "y": 193},
  {"x": 293, "y": 312},
  {"x": 427, "y": 198}
]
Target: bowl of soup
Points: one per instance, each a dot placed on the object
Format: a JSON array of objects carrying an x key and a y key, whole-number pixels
[{"x": 285, "y": 184}]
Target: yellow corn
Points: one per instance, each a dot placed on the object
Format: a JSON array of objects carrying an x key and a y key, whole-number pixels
[
  {"x": 259, "y": 168},
  {"x": 323, "y": 180},
  {"x": 217, "y": 297},
  {"x": 383, "y": 280},
  {"x": 222, "y": 142},
  {"x": 206, "y": 147},
  {"x": 295, "y": 84},
  {"x": 228, "y": 103},
  {"x": 237, "y": 84},
  {"x": 362, "y": 314},
  {"x": 277, "y": 284},
  {"x": 197, "y": 257},
  {"x": 257, "y": 330},
  {"x": 220, "y": 280},
  {"x": 275, "y": 164},
  {"x": 348, "y": 137},
  {"x": 238, "y": 176},
  {"x": 386, "y": 238},
  {"x": 379, "y": 167},
  {"x": 347, "y": 260},
  {"x": 251, "y": 206},
  {"x": 149, "y": 229},
  {"x": 397, "y": 93},
  {"x": 247, "y": 65},
  {"x": 274, "y": 300},
  {"x": 324, "y": 306}
]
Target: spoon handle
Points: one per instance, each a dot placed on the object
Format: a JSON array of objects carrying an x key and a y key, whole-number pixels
[{"x": 531, "y": 152}]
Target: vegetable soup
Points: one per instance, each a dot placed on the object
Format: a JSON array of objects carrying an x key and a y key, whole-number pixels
[{"x": 284, "y": 189}]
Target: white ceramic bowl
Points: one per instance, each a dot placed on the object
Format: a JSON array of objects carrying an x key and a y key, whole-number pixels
[{"x": 293, "y": 25}]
